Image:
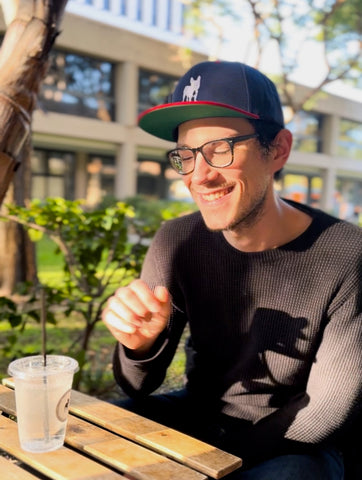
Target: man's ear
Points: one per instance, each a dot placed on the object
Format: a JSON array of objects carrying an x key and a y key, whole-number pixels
[{"x": 282, "y": 145}]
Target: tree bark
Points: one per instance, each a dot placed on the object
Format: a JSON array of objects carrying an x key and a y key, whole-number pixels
[
  {"x": 32, "y": 27},
  {"x": 17, "y": 256}
]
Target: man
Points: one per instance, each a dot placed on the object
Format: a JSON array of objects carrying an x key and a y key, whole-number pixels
[{"x": 271, "y": 291}]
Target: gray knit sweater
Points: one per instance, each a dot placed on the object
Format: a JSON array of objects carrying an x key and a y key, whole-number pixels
[{"x": 276, "y": 336}]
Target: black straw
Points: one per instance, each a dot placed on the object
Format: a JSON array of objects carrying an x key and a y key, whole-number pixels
[{"x": 43, "y": 325}]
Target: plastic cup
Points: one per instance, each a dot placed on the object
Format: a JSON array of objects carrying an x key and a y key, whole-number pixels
[{"x": 42, "y": 395}]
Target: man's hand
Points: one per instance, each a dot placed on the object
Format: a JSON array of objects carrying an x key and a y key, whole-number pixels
[{"x": 136, "y": 315}]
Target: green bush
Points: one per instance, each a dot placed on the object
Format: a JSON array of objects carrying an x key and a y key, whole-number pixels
[{"x": 94, "y": 252}]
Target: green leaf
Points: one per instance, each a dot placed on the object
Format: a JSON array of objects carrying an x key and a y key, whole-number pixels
[
  {"x": 35, "y": 235},
  {"x": 15, "y": 320}
]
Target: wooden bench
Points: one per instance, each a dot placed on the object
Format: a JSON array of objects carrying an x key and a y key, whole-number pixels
[{"x": 107, "y": 441}]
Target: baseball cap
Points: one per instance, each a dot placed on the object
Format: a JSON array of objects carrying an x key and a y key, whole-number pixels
[{"x": 215, "y": 89}]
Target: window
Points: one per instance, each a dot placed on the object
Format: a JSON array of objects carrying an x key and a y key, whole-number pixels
[
  {"x": 150, "y": 180},
  {"x": 176, "y": 189},
  {"x": 153, "y": 89},
  {"x": 348, "y": 199},
  {"x": 350, "y": 139},
  {"x": 78, "y": 85},
  {"x": 52, "y": 174},
  {"x": 157, "y": 179},
  {"x": 302, "y": 188},
  {"x": 305, "y": 127}
]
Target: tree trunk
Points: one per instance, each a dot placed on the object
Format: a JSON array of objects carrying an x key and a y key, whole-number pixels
[
  {"x": 32, "y": 26},
  {"x": 17, "y": 259}
]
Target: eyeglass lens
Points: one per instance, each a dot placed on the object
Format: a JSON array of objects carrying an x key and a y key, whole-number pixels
[{"x": 217, "y": 153}]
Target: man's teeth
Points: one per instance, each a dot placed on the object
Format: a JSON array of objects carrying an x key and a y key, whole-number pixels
[{"x": 215, "y": 196}]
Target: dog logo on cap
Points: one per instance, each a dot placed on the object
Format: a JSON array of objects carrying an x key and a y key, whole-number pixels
[{"x": 191, "y": 91}]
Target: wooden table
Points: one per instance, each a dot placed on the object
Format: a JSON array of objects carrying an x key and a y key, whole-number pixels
[{"x": 106, "y": 442}]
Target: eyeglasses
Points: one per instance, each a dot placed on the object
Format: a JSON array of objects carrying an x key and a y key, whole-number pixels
[{"x": 217, "y": 153}]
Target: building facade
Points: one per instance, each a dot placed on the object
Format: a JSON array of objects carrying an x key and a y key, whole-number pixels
[{"x": 114, "y": 59}]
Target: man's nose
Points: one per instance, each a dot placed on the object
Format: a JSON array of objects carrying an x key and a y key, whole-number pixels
[{"x": 203, "y": 172}]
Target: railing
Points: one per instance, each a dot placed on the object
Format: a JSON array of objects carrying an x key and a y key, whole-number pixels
[{"x": 162, "y": 19}]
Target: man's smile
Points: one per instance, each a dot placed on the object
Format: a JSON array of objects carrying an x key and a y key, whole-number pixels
[{"x": 216, "y": 194}]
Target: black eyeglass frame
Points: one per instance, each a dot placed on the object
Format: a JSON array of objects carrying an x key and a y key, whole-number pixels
[{"x": 230, "y": 140}]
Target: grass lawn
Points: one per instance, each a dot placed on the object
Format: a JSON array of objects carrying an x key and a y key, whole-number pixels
[
  {"x": 49, "y": 264},
  {"x": 63, "y": 338}
]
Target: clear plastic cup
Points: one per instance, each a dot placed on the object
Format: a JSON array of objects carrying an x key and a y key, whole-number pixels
[{"x": 42, "y": 395}]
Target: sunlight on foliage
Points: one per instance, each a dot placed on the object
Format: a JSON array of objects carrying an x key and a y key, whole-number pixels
[{"x": 96, "y": 252}]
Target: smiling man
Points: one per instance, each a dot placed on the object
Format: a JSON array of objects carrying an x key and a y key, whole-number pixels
[{"x": 271, "y": 291}]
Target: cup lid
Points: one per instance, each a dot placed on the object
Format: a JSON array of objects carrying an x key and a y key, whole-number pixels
[{"x": 33, "y": 366}]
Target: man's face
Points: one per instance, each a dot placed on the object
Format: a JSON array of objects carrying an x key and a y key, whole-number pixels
[{"x": 234, "y": 196}]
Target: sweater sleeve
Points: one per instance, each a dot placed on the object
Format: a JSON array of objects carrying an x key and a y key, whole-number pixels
[{"x": 139, "y": 378}]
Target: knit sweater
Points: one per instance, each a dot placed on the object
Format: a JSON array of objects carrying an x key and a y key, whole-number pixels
[{"x": 276, "y": 335}]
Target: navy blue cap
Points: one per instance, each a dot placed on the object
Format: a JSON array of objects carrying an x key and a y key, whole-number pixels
[{"x": 215, "y": 89}]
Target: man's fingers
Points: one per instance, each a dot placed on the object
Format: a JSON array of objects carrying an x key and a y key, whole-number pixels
[
  {"x": 136, "y": 313},
  {"x": 161, "y": 293},
  {"x": 116, "y": 324},
  {"x": 139, "y": 297}
]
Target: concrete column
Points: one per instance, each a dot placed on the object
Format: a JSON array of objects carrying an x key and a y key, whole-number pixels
[
  {"x": 126, "y": 94},
  {"x": 99, "y": 4},
  {"x": 147, "y": 12},
  {"x": 329, "y": 184},
  {"x": 126, "y": 170},
  {"x": 176, "y": 16},
  {"x": 115, "y": 7},
  {"x": 162, "y": 12},
  {"x": 330, "y": 133},
  {"x": 126, "y": 114},
  {"x": 80, "y": 183},
  {"x": 131, "y": 9},
  {"x": 94, "y": 187}
]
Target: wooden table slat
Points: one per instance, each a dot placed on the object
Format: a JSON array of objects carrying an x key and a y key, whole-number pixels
[
  {"x": 117, "y": 452},
  {"x": 62, "y": 464},
  {"x": 192, "y": 452},
  {"x": 14, "y": 471}
]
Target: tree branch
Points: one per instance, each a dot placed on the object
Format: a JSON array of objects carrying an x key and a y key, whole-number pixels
[{"x": 57, "y": 239}]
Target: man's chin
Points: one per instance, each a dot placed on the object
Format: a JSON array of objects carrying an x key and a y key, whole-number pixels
[{"x": 214, "y": 225}]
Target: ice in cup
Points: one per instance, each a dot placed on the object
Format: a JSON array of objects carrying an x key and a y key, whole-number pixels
[{"x": 42, "y": 395}]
